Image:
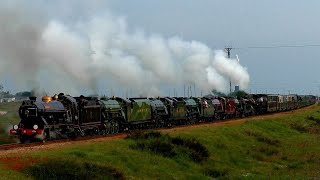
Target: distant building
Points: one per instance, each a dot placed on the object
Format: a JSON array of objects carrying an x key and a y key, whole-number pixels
[{"x": 7, "y": 100}]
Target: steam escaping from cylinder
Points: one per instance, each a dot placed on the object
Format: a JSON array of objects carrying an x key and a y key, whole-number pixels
[{"x": 42, "y": 50}]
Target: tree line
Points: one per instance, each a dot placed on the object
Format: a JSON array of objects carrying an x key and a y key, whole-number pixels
[{"x": 8, "y": 94}]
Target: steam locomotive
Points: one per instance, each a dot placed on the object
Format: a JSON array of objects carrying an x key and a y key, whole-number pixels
[{"x": 63, "y": 116}]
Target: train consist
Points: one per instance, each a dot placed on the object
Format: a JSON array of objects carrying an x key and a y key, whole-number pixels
[{"x": 64, "y": 116}]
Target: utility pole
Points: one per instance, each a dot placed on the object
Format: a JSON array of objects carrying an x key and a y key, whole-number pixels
[{"x": 228, "y": 52}]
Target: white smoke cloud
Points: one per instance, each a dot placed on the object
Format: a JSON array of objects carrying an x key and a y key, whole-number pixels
[
  {"x": 74, "y": 56},
  {"x": 231, "y": 68}
]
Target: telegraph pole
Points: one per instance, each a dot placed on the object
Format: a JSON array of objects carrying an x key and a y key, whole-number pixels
[{"x": 228, "y": 52}]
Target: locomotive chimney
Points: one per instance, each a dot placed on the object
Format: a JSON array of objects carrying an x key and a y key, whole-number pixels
[{"x": 33, "y": 98}]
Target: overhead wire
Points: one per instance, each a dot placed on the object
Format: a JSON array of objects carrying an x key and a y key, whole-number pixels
[{"x": 278, "y": 46}]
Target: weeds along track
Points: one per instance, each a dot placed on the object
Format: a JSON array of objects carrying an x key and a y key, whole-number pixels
[{"x": 20, "y": 148}]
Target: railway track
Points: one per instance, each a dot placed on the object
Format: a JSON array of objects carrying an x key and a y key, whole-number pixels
[
  {"x": 11, "y": 146},
  {"x": 4, "y": 147}
]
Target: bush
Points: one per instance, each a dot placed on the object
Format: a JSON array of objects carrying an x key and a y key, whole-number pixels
[
  {"x": 311, "y": 118},
  {"x": 199, "y": 151},
  {"x": 178, "y": 141},
  {"x": 314, "y": 130},
  {"x": 66, "y": 169},
  {"x": 215, "y": 172},
  {"x": 162, "y": 147},
  {"x": 268, "y": 140},
  {"x": 152, "y": 134},
  {"x": 268, "y": 150},
  {"x": 263, "y": 137},
  {"x": 143, "y": 134},
  {"x": 295, "y": 165},
  {"x": 79, "y": 154},
  {"x": 299, "y": 126},
  {"x": 168, "y": 146},
  {"x": 135, "y": 135}
]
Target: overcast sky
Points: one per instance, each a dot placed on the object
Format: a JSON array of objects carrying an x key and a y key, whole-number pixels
[
  {"x": 228, "y": 23},
  {"x": 241, "y": 24}
]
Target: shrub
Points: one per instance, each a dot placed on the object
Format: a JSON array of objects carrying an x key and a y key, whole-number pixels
[
  {"x": 79, "y": 154},
  {"x": 258, "y": 156},
  {"x": 263, "y": 137},
  {"x": 295, "y": 165},
  {"x": 178, "y": 141},
  {"x": 143, "y": 134},
  {"x": 199, "y": 151},
  {"x": 268, "y": 140},
  {"x": 309, "y": 125},
  {"x": 299, "y": 126},
  {"x": 314, "y": 130},
  {"x": 162, "y": 147},
  {"x": 135, "y": 135},
  {"x": 215, "y": 172},
  {"x": 268, "y": 150},
  {"x": 311, "y": 118},
  {"x": 152, "y": 134},
  {"x": 67, "y": 169},
  {"x": 170, "y": 147}
]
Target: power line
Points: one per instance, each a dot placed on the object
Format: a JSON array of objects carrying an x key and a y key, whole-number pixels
[{"x": 279, "y": 46}]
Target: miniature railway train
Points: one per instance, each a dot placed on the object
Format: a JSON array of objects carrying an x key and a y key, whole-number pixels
[{"x": 63, "y": 116}]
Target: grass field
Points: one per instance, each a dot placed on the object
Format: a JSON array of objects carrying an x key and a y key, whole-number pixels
[
  {"x": 282, "y": 147},
  {"x": 10, "y": 118}
]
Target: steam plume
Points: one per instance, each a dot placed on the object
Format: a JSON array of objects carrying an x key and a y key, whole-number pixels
[{"x": 39, "y": 50}]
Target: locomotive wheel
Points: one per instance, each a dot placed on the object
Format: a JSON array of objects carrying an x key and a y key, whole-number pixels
[
  {"x": 160, "y": 124},
  {"x": 116, "y": 127},
  {"x": 217, "y": 116},
  {"x": 111, "y": 130},
  {"x": 156, "y": 125},
  {"x": 107, "y": 130},
  {"x": 96, "y": 131},
  {"x": 72, "y": 135},
  {"x": 102, "y": 132},
  {"x": 46, "y": 135},
  {"x": 151, "y": 125}
]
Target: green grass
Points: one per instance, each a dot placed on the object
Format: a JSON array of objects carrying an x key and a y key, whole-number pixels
[
  {"x": 286, "y": 147},
  {"x": 12, "y": 116},
  {"x": 7, "y": 120}
]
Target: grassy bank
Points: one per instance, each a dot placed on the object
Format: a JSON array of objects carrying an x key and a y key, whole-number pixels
[
  {"x": 282, "y": 147},
  {"x": 7, "y": 119}
]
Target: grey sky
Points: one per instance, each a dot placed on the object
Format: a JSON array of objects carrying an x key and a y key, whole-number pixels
[
  {"x": 243, "y": 23},
  {"x": 222, "y": 23}
]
